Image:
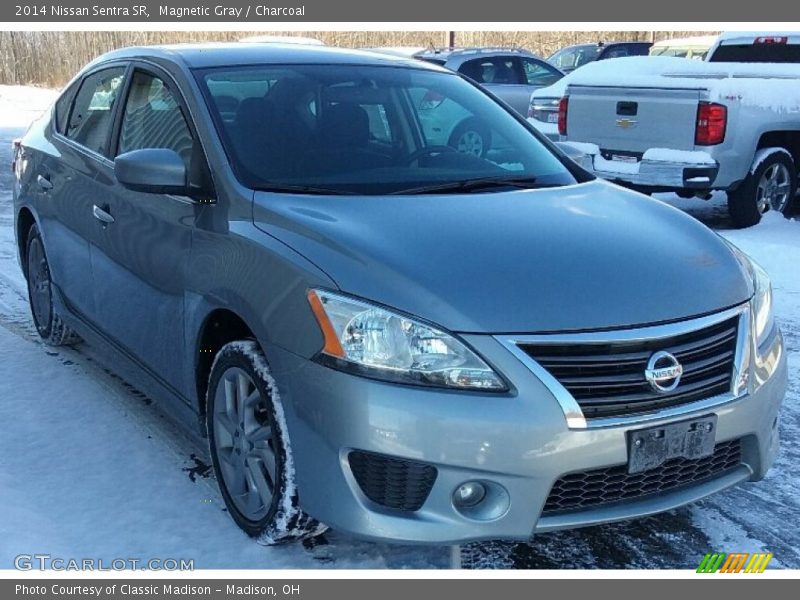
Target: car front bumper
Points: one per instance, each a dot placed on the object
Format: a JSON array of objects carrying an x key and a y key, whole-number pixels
[{"x": 518, "y": 442}]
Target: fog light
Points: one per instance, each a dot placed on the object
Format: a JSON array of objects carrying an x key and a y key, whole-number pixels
[{"x": 469, "y": 494}]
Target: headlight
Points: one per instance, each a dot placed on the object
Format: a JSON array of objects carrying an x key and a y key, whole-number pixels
[
  {"x": 762, "y": 306},
  {"x": 379, "y": 343}
]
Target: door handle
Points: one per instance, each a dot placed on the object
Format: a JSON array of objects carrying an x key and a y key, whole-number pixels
[
  {"x": 44, "y": 183},
  {"x": 101, "y": 215}
]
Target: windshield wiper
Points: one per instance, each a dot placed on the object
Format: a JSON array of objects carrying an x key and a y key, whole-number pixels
[
  {"x": 470, "y": 185},
  {"x": 302, "y": 189}
]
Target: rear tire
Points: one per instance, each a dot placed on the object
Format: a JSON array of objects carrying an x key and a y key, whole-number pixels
[
  {"x": 51, "y": 328},
  {"x": 770, "y": 187},
  {"x": 250, "y": 450}
]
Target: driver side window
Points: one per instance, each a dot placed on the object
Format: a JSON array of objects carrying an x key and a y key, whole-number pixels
[
  {"x": 153, "y": 119},
  {"x": 539, "y": 74}
]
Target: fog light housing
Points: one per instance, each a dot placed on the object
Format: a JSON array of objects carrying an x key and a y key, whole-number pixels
[{"x": 469, "y": 494}]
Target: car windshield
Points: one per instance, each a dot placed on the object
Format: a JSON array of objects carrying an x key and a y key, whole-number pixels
[
  {"x": 371, "y": 130},
  {"x": 572, "y": 58}
]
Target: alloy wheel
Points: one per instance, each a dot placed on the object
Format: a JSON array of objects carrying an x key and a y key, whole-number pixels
[
  {"x": 470, "y": 142},
  {"x": 39, "y": 285},
  {"x": 773, "y": 189},
  {"x": 245, "y": 439}
]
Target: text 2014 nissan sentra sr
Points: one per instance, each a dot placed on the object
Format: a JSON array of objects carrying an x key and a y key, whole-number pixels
[{"x": 377, "y": 330}]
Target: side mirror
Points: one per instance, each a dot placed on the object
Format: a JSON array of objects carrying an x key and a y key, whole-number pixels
[{"x": 152, "y": 170}]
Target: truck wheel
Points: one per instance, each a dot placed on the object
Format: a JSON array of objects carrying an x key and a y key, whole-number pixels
[
  {"x": 770, "y": 186},
  {"x": 250, "y": 450},
  {"x": 53, "y": 331}
]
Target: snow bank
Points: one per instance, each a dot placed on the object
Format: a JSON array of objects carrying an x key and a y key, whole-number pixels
[
  {"x": 21, "y": 105},
  {"x": 775, "y": 244}
]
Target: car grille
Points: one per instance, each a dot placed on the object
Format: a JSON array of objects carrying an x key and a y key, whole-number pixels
[
  {"x": 607, "y": 379},
  {"x": 392, "y": 482},
  {"x": 587, "y": 489}
]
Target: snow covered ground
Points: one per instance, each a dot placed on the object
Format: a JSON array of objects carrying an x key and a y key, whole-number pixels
[{"x": 90, "y": 467}]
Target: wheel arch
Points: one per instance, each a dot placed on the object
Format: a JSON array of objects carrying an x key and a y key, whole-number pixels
[
  {"x": 788, "y": 139},
  {"x": 25, "y": 220},
  {"x": 219, "y": 327}
]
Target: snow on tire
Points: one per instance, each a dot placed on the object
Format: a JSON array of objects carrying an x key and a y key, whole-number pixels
[
  {"x": 250, "y": 447},
  {"x": 771, "y": 184},
  {"x": 48, "y": 322}
]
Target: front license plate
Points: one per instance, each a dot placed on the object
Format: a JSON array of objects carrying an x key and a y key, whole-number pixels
[
  {"x": 624, "y": 158},
  {"x": 650, "y": 448}
]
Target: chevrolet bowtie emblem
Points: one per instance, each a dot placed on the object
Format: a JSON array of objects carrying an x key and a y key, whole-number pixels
[{"x": 626, "y": 123}]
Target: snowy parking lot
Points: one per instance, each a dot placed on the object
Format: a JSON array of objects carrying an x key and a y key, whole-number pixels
[{"x": 89, "y": 467}]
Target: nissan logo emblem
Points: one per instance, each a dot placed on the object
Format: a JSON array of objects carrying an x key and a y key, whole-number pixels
[{"x": 663, "y": 372}]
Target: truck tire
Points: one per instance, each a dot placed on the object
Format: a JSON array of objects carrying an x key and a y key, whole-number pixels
[{"x": 770, "y": 186}]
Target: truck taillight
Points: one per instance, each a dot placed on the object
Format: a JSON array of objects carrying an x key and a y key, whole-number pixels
[
  {"x": 711, "y": 121},
  {"x": 771, "y": 39},
  {"x": 563, "y": 105}
]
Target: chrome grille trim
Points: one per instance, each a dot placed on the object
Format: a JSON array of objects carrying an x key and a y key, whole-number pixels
[{"x": 572, "y": 411}]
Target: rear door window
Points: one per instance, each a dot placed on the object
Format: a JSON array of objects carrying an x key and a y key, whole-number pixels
[
  {"x": 90, "y": 120},
  {"x": 62, "y": 108},
  {"x": 493, "y": 70},
  {"x": 618, "y": 52}
]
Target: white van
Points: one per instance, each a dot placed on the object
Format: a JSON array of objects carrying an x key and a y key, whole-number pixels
[{"x": 690, "y": 47}]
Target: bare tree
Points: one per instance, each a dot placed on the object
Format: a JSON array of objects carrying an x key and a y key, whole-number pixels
[{"x": 51, "y": 58}]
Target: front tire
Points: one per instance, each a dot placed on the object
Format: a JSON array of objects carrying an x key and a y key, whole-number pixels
[
  {"x": 770, "y": 186},
  {"x": 250, "y": 450},
  {"x": 48, "y": 322}
]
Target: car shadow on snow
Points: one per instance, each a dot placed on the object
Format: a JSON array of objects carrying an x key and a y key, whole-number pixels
[{"x": 669, "y": 540}]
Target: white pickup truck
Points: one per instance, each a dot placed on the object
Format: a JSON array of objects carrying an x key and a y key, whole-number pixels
[{"x": 668, "y": 124}]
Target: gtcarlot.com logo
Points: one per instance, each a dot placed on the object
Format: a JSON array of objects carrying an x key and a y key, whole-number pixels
[
  {"x": 46, "y": 562},
  {"x": 737, "y": 562}
]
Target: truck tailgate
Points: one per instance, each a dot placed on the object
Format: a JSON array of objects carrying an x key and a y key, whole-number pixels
[{"x": 631, "y": 119}]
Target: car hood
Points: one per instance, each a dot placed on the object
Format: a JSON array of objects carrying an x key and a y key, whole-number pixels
[{"x": 581, "y": 257}]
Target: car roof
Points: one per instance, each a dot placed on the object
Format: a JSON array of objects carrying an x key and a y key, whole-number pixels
[
  {"x": 218, "y": 54},
  {"x": 467, "y": 53},
  {"x": 698, "y": 40},
  {"x": 601, "y": 45},
  {"x": 404, "y": 51}
]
